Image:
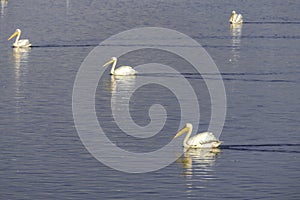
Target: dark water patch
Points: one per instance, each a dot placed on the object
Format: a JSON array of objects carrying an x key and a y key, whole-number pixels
[
  {"x": 272, "y": 22},
  {"x": 275, "y": 36},
  {"x": 260, "y": 80},
  {"x": 255, "y": 73},
  {"x": 63, "y": 45},
  {"x": 263, "y": 147},
  {"x": 216, "y": 77}
]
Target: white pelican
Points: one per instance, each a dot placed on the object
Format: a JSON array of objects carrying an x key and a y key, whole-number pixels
[
  {"x": 201, "y": 140},
  {"x": 121, "y": 71},
  {"x": 235, "y": 18},
  {"x": 19, "y": 43}
]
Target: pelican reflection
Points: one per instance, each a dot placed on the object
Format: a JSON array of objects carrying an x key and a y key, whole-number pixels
[
  {"x": 67, "y": 6},
  {"x": 198, "y": 162},
  {"x": 236, "y": 33},
  {"x": 20, "y": 59},
  {"x": 121, "y": 88},
  {"x": 197, "y": 167},
  {"x": 122, "y": 83},
  {"x": 3, "y": 7}
]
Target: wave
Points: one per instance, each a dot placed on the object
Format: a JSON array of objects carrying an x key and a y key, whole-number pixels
[
  {"x": 63, "y": 45},
  {"x": 262, "y": 147},
  {"x": 272, "y": 22},
  {"x": 234, "y": 76}
]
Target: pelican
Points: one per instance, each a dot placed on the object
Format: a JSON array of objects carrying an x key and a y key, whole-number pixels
[
  {"x": 121, "y": 71},
  {"x": 201, "y": 140},
  {"x": 235, "y": 18},
  {"x": 19, "y": 43}
]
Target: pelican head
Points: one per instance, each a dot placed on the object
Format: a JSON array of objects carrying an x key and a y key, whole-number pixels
[
  {"x": 186, "y": 128},
  {"x": 233, "y": 12},
  {"x": 17, "y": 32},
  {"x": 112, "y": 60}
]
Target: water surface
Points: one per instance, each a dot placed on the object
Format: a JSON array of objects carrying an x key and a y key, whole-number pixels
[{"x": 42, "y": 156}]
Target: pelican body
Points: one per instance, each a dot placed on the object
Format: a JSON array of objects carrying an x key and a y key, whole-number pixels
[
  {"x": 235, "y": 18},
  {"x": 19, "y": 43},
  {"x": 201, "y": 140},
  {"x": 120, "y": 71}
]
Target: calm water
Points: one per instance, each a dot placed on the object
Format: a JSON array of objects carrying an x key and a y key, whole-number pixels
[{"x": 42, "y": 156}]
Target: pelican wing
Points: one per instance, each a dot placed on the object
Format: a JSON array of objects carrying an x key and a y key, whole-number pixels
[
  {"x": 202, "y": 138},
  {"x": 23, "y": 43},
  {"x": 125, "y": 70},
  {"x": 239, "y": 18}
]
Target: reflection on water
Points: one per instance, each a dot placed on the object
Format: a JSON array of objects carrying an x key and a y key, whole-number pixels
[
  {"x": 122, "y": 84},
  {"x": 236, "y": 33},
  {"x": 122, "y": 88},
  {"x": 20, "y": 57},
  {"x": 198, "y": 161},
  {"x": 118, "y": 84},
  {"x": 67, "y": 6},
  {"x": 3, "y": 7},
  {"x": 197, "y": 165}
]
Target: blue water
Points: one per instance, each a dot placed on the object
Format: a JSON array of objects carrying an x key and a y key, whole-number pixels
[{"x": 42, "y": 156}]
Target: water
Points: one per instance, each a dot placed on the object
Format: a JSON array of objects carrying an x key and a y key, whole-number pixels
[{"x": 42, "y": 156}]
